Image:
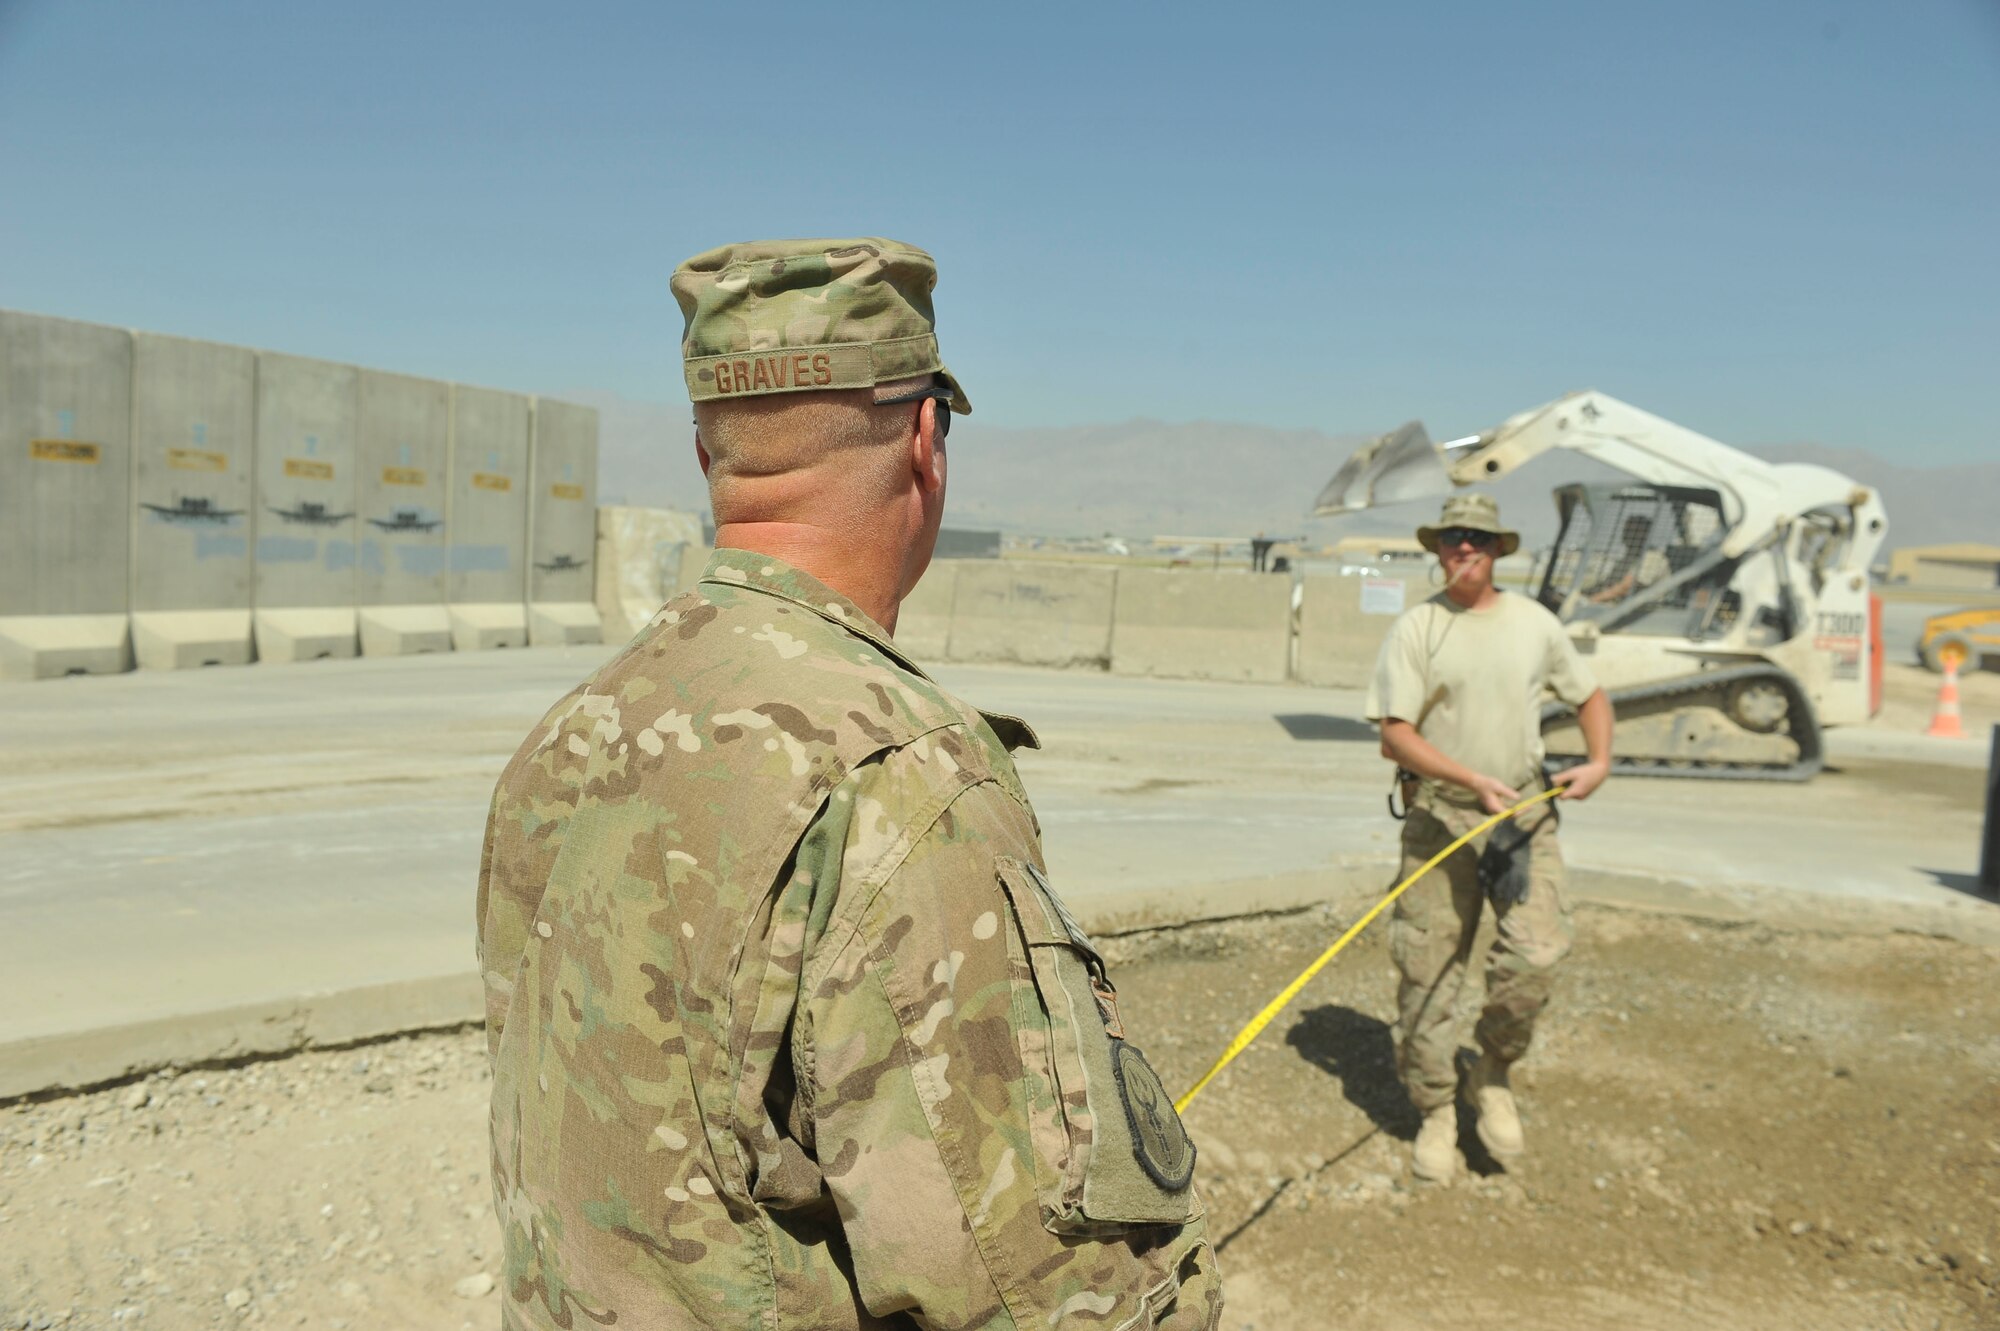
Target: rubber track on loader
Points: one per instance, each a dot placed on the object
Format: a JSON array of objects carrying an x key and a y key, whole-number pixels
[{"x": 1804, "y": 727}]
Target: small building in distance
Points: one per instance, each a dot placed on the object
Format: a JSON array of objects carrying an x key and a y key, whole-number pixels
[
  {"x": 1967, "y": 564},
  {"x": 1378, "y": 550}
]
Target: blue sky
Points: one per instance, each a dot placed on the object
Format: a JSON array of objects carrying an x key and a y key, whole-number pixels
[{"x": 1772, "y": 221}]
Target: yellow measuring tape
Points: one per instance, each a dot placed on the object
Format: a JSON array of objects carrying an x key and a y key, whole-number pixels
[{"x": 1291, "y": 991}]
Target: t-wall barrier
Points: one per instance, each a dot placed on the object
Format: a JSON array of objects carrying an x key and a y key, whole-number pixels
[
  {"x": 193, "y": 437},
  {"x": 65, "y": 490}
]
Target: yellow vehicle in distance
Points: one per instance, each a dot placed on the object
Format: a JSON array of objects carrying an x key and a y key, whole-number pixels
[{"x": 1965, "y": 637}]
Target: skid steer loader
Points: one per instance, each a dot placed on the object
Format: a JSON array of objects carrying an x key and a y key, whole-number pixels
[{"x": 1721, "y": 600}]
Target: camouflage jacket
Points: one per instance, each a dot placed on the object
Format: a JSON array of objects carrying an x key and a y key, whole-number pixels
[{"x": 787, "y": 1027}]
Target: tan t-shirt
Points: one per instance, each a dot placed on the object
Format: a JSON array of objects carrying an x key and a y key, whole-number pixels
[{"x": 1472, "y": 682}]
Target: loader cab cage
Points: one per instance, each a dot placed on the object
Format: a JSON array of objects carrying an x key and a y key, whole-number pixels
[
  {"x": 1825, "y": 540},
  {"x": 1641, "y": 559}
]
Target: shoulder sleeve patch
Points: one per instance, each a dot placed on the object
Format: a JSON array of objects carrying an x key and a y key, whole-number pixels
[{"x": 1158, "y": 1139}]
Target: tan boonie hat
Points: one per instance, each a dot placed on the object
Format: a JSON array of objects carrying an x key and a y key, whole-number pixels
[
  {"x": 1477, "y": 512},
  {"x": 795, "y": 316}
]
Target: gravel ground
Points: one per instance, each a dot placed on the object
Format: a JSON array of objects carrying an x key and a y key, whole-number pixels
[
  {"x": 1730, "y": 1127},
  {"x": 341, "y": 1188}
]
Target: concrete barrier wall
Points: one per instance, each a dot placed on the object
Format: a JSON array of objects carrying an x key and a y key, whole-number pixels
[
  {"x": 1032, "y": 614},
  {"x": 201, "y": 502},
  {"x": 486, "y": 519},
  {"x": 304, "y": 509},
  {"x": 402, "y": 451},
  {"x": 209, "y": 505},
  {"x": 1182, "y": 624},
  {"x": 645, "y": 557},
  {"x": 562, "y": 524},
  {"x": 65, "y": 496},
  {"x": 1188, "y": 625},
  {"x": 193, "y": 446},
  {"x": 923, "y": 624},
  {"x": 1343, "y": 620}
]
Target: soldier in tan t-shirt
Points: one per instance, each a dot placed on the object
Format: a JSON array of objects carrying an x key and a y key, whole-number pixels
[{"x": 1458, "y": 693}]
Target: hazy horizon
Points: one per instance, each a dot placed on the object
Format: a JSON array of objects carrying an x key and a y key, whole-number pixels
[{"x": 1142, "y": 477}]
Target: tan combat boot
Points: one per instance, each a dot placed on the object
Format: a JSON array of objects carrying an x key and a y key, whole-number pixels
[
  {"x": 1435, "y": 1157},
  {"x": 1499, "y": 1117}
]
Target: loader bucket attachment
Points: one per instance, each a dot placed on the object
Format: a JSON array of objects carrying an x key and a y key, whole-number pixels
[{"x": 1401, "y": 466}]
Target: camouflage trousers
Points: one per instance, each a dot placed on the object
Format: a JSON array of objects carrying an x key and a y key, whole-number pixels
[{"x": 1431, "y": 938}]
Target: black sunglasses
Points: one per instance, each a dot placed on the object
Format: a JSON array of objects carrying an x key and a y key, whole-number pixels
[
  {"x": 938, "y": 391},
  {"x": 1472, "y": 536}
]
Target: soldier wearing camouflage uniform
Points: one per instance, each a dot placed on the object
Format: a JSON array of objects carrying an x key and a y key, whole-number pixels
[
  {"x": 787, "y": 1026},
  {"x": 1458, "y": 693}
]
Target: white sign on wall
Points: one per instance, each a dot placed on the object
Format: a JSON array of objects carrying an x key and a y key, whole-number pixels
[{"x": 1382, "y": 596}]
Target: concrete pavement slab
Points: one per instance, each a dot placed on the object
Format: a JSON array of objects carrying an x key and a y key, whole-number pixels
[{"x": 220, "y": 841}]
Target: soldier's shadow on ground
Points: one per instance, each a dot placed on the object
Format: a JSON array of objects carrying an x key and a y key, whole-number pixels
[
  {"x": 1320, "y": 726},
  {"x": 1358, "y": 1051}
]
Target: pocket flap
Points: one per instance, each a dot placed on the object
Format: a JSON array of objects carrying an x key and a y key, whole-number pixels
[
  {"x": 1040, "y": 925},
  {"x": 1130, "y": 1161}
]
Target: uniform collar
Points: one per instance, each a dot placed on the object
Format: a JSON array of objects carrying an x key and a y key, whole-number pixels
[{"x": 774, "y": 577}]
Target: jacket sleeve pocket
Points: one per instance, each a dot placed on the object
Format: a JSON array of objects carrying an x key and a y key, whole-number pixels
[{"x": 1110, "y": 1153}]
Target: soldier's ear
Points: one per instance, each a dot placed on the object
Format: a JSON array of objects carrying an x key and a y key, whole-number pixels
[
  {"x": 927, "y": 449},
  {"x": 701, "y": 453}
]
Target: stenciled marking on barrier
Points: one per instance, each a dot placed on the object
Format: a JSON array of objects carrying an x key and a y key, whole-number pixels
[
  {"x": 309, "y": 469},
  {"x": 192, "y": 511},
  {"x": 196, "y": 459},
  {"x": 311, "y": 513},
  {"x": 1036, "y": 594},
  {"x": 408, "y": 520},
  {"x": 65, "y": 450},
  {"x": 285, "y": 549},
  {"x": 402, "y": 476},
  {"x": 486, "y": 480},
  {"x": 563, "y": 490},
  {"x": 479, "y": 559},
  {"x": 420, "y": 561}
]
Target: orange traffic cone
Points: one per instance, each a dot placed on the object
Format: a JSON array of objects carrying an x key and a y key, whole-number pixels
[{"x": 1946, "y": 723}]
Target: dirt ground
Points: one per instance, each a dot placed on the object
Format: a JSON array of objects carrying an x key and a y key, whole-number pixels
[{"x": 1730, "y": 1127}]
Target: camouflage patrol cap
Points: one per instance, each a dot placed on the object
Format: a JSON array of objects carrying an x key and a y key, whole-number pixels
[
  {"x": 1477, "y": 512},
  {"x": 790, "y": 316}
]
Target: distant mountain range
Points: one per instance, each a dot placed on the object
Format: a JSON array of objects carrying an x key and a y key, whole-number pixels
[{"x": 1146, "y": 478}]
